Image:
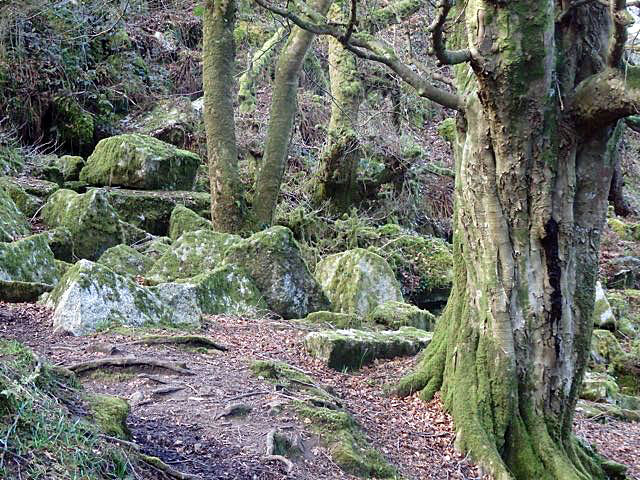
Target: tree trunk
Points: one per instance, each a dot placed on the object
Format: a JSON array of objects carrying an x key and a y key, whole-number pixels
[
  {"x": 616, "y": 192},
  {"x": 532, "y": 181},
  {"x": 281, "y": 116},
  {"x": 218, "y": 81},
  {"x": 336, "y": 179}
]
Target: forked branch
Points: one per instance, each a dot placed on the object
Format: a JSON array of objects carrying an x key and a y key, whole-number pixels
[
  {"x": 444, "y": 56},
  {"x": 368, "y": 47}
]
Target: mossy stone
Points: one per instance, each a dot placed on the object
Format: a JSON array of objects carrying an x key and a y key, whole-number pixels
[
  {"x": 184, "y": 220},
  {"x": 126, "y": 261},
  {"x": 173, "y": 121},
  {"x": 192, "y": 254},
  {"x": 605, "y": 349},
  {"x": 140, "y": 162},
  {"x": 356, "y": 281},
  {"x": 39, "y": 188},
  {"x": 603, "y": 316},
  {"x": 70, "y": 165},
  {"x": 227, "y": 290},
  {"x": 110, "y": 414},
  {"x": 273, "y": 261},
  {"x": 351, "y": 349},
  {"x": 151, "y": 210},
  {"x": 28, "y": 260},
  {"x": 394, "y": 315},
  {"x": 338, "y": 320},
  {"x": 625, "y": 305},
  {"x": 13, "y": 224},
  {"x": 599, "y": 387},
  {"x": 91, "y": 296},
  {"x": 28, "y": 204},
  {"x": 94, "y": 225},
  {"x": 60, "y": 241},
  {"x": 155, "y": 248}
]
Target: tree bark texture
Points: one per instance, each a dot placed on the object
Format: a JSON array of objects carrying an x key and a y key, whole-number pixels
[
  {"x": 281, "y": 117},
  {"x": 336, "y": 181},
  {"x": 218, "y": 70},
  {"x": 532, "y": 182}
]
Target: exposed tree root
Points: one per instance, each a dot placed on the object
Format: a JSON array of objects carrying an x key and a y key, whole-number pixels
[
  {"x": 128, "y": 362},
  {"x": 192, "y": 340},
  {"x": 288, "y": 463}
]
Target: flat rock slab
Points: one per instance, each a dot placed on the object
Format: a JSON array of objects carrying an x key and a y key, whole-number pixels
[{"x": 351, "y": 349}]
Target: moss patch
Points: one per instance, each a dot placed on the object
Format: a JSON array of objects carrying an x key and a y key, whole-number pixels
[
  {"x": 110, "y": 414},
  {"x": 394, "y": 315},
  {"x": 185, "y": 220},
  {"x": 13, "y": 223}
]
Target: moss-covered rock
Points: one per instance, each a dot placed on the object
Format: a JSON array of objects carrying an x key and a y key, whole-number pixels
[
  {"x": 28, "y": 204},
  {"x": 151, "y": 211},
  {"x": 42, "y": 189},
  {"x": 192, "y": 254},
  {"x": 599, "y": 387},
  {"x": 625, "y": 305},
  {"x": 63, "y": 267},
  {"x": 356, "y": 281},
  {"x": 28, "y": 260},
  {"x": 347, "y": 445},
  {"x": 603, "y": 316},
  {"x": 90, "y": 296},
  {"x": 142, "y": 162},
  {"x": 70, "y": 165},
  {"x": 60, "y": 242},
  {"x": 227, "y": 290},
  {"x": 351, "y": 349},
  {"x": 338, "y": 320},
  {"x": 110, "y": 414},
  {"x": 394, "y": 315},
  {"x": 273, "y": 261},
  {"x": 599, "y": 410},
  {"x": 625, "y": 273},
  {"x": 155, "y": 248},
  {"x": 605, "y": 349},
  {"x": 126, "y": 261},
  {"x": 626, "y": 231},
  {"x": 183, "y": 220},
  {"x": 13, "y": 224},
  {"x": 11, "y": 158},
  {"x": 173, "y": 121},
  {"x": 74, "y": 126},
  {"x": 94, "y": 225}
]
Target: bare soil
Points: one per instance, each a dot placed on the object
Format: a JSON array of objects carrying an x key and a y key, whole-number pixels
[{"x": 184, "y": 428}]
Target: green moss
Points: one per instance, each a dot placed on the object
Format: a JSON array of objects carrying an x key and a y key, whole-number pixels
[
  {"x": 185, "y": 220},
  {"x": 338, "y": 320},
  {"x": 70, "y": 166},
  {"x": 278, "y": 372},
  {"x": 28, "y": 204},
  {"x": 13, "y": 223},
  {"x": 394, "y": 315},
  {"x": 126, "y": 261},
  {"x": 110, "y": 414},
  {"x": 28, "y": 260},
  {"x": 74, "y": 125},
  {"x": 447, "y": 130},
  {"x": 140, "y": 161},
  {"x": 347, "y": 445}
]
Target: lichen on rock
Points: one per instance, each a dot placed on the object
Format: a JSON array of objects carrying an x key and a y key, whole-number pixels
[
  {"x": 141, "y": 162},
  {"x": 126, "y": 261},
  {"x": 603, "y": 316},
  {"x": 394, "y": 315},
  {"x": 70, "y": 165},
  {"x": 273, "y": 261},
  {"x": 184, "y": 220},
  {"x": 13, "y": 223},
  {"x": 192, "y": 254},
  {"x": 356, "y": 281},
  {"x": 91, "y": 296},
  {"x": 94, "y": 225},
  {"x": 27, "y": 203}
]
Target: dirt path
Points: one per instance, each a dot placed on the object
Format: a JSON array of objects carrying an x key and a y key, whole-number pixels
[{"x": 181, "y": 427}]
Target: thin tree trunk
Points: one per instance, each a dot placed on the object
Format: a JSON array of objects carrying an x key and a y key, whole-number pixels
[
  {"x": 336, "y": 180},
  {"x": 218, "y": 81},
  {"x": 616, "y": 192},
  {"x": 281, "y": 116}
]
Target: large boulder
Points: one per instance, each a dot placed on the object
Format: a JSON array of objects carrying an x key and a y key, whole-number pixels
[
  {"x": 93, "y": 223},
  {"x": 91, "y": 296},
  {"x": 184, "y": 220},
  {"x": 273, "y": 261},
  {"x": 605, "y": 350},
  {"x": 599, "y": 387},
  {"x": 227, "y": 290},
  {"x": 357, "y": 281},
  {"x": 192, "y": 254},
  {"x": 351, "y": 349},
  {"x": 70, "y": 166},
  {"x": 60, "y": 242},
  {"x": 151, "y": 211},
  {"x": 27, "y": 269},
  {"x": 173, "y": 121},
  {"x": 625, "y": 305},
  {"x": 13, "y": 223},
  {"x": 126, "y": 261},
  {"x": 141, "y": 162}
]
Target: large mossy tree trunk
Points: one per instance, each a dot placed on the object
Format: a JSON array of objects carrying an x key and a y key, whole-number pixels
[
  {"x": 540, "y": 100},
  {"x": 218, "y": 70},
  {"x": 281, "y": 116}
]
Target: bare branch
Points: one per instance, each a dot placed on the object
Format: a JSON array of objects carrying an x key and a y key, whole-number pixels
[
  {"x": 353, "y": 18},
  {"x": 366, "y": 46},
  {"x": 621, "y": 19},
  {"x": 390, "y": 15},
  {"x": 606, "y": 97},
  {"x": 444, "y": 56}
]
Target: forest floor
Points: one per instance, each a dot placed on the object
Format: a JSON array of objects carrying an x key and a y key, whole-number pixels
[{"x": 184, "y": 427}]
